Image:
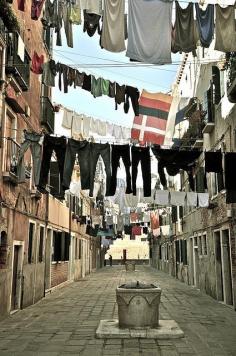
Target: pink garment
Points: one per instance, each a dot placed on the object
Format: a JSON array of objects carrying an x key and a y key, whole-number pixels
[
  {"x": 37, "y": 63},
  {"x": 154, "y": 220},
  {"x": 136, "y": 230}
]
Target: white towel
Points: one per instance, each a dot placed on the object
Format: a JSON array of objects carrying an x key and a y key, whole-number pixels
[
  {"x": 77, "y": 124},
  {"x": 21, "y": 49},
  {"x": 177, "y": 198},
  {"x": 102, "y": 128},
  {"x": 93, "y": 125},
  {"x": 110, "y": 128},
  {"x": 86, "y": 125},
  {"x": 203, "y": 200},
  {"x": 191, "y": 199},
  {"x": 146, "y": 217},
  {"x": 67, "y": 119},
  {"x": 162, "y": 197}
]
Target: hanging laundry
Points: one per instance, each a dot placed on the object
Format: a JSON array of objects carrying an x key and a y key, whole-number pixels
[
  {"x": 133, "y": 94},
  {"x": 109, "y": 220},
  {"x": 126, "y": 133},
  {"x": 203, "y": 200},
  {"x": 142, "y": 155},
  {"x": 126, "y": 218},
  {"x": 64, "y": 16},
  {"x": 105, "y": 86},
  {"x": 120, "y": 223},
  {"x": 82, "y": 148},
  {"x": 110, "y": 129},
  {"x": 213, "y": 162},
  {"x": 79, "y": 79},
  {"x": 149, "y": 31},
  {"x": 96, "y": 89},
  {"x": 62, "y": 70},
  {"x": 92, "y": 6},
  {"x": 230, "y": 176},
  {"x": 36, "y": 8},
  {"x": 120, "y": 151},
  {"x": 133, "y": 217},
  {"x": 49, "y": 73},
  {"x": 156, "y": 232},
  {"x": 128, "y": 229},
  {"x": 102, "y": 128},
  {"x": 154, "y": 217},
  {"x": 50, "y": 144},
  {"x": 146, "y": 217},
  {"x": 205, "y": 24},
  {"x": 37, "y": 63},
  {"x": 93, "y": 125},
  {"x": 174, "y": 160},
  {"x": 191, "y": 199},
  {"x": 72, "y": 121},
  {"x": 91, "y": 23},
  {"x": 113, "y": 34},
  {"x": 112, "y": 90},
  {"x": 117, "y": 132},
  {"x": 120, "y": 94},
  {"x": 86, "y": 126},
  {"x": 150, "y": 125},
  {"x": 140, "y": 216},
  {"x": 184, "y": 31},
  {"x": 34, "y": 142},
  {"x": 50, "y": 14},
  {"x": 225, "y": 28},
  {"x": 177, "y": 198},
  {"x": 87, "y": 83},
  {"x": 21, "y": 5},
  {"x": 103, "y": 150},
  {"x": 136, "y": 230},
  {"x": 75, "y": 14},
  {"x": 162, "y": 197}
]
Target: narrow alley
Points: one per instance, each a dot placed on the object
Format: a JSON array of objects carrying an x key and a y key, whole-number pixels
[{"x": 64, "y": 323}]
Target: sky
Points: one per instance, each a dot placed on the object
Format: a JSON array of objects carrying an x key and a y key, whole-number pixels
[{"x": 90, "y": 58}]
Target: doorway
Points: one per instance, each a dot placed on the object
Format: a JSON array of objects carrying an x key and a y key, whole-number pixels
[
  {"x": 17, "y": 277},
  {"x": 195, "y": 262},
  {"x": 226, "y": 267}
]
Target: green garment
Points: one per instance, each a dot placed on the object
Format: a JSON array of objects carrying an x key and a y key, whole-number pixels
[
  {"x": 75, "y": 15},
  {"x": 96, "y": 87},
  {"x": 105, "y": 86}
]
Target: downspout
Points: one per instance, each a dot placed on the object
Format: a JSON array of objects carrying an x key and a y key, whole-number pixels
[{"x": 46, "y": 237}]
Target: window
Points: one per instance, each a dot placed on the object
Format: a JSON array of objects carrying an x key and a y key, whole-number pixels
[
  {"x": 80, "y": 249},
  {"x": 217, "y": 183},
  {"x": 204, "y": 245},
  {"x": 30, "y": 242},
  {"x": 200, "y": 245},
  {"x": 41, "y": 238},
  {"x": 177, "y": 251},
  {"x": 160, "y": 252},
  {"x": 183, "y": 246},
  {"x": 61, "y": 246}
]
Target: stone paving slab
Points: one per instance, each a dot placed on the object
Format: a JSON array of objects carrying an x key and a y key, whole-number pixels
[
  {"x": 109, "y": 329},
  {"x": 65, "y": 322}
]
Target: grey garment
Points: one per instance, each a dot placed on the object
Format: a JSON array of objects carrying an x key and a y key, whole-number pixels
[
  {"x": 149, "y": 31},
  {"x": 112, "y": 90},
  {"x": 34, "y": 142},
  {"x": 205, "y": 24},
  {"x": 64, "y": 10},
  {"x": 120, "y": 223},
  {"x": 79, "y": 79},
  {"x": 49, "y": 18},
  {"x": 113, "y": 34},
  {"x": 92, "y": 6},
  {"x": 185, "y": 36},
  {"x": 126, "y": 219},
  {"x": 225, "y": 29},
  {"x": 49, "y": 73}
]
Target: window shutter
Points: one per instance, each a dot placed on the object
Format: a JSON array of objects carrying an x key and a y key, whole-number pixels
[
  {"x": 200, "y": 180},
  {"x": 177, "y": 251},
  {"x": 183, "y": 246},
  {"x": 220, "y": 181},
  {"x": 174, "y": 214}
]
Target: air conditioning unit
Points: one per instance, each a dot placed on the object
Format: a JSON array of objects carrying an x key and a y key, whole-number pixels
[{"x": 27, "y": 111}]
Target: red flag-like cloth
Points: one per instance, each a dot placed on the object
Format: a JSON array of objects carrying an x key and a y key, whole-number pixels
[{"x": 150, "y": 125}]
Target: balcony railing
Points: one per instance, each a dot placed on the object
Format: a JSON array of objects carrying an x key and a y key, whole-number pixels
[
  {"x": 2, "y": 30},
  {"x": 47, "y": 114},
  {"x": 10, "y": 160},
  {"x": 14, "y": 65},
  {"x": 231, "y": 85}
]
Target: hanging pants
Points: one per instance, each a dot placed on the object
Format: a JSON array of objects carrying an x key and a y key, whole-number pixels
[{"x": 142, "y": 155}]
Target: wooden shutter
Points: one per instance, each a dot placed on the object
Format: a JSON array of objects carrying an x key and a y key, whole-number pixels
[{"x": 216, "y": 84}]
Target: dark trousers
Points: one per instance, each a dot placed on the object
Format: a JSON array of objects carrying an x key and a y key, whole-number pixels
[
  {"x": 81, "y": 148},
  {"x": 142, "y": 155},
  {"x": 97, "y": 149},
  {"x": 117, "y": 152},
  {"x": 50, "y": 144}
]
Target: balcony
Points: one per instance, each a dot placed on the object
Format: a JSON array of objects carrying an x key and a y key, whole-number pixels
[
  {"x": 2, "y": 31},
  {"x": 47, "y": 114},
  {"x": 11, "y": 149},
  {"x": 231, "y": 85},
  {"x": 14, "y": 65},
  {"x": 208, "y": 125}
]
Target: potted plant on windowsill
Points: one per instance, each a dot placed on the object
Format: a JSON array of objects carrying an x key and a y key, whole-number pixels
[{"x": 8, "y": 17}]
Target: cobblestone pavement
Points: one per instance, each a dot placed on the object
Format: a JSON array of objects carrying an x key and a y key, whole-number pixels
[{"x": 64, "y": 322}]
